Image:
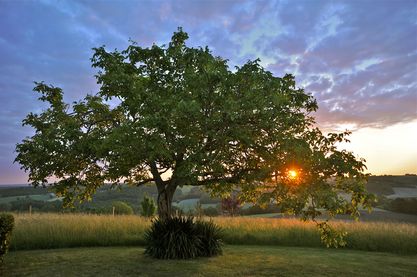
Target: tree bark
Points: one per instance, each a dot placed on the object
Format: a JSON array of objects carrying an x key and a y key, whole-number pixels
[
  {"x": 165, "y": 195},
  {"x": 166, "y": 191}
]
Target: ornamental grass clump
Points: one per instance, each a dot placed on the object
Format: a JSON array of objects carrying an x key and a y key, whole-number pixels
[
  {"x": 211, "y": 238},
  {"x": 182, "y": 238}
]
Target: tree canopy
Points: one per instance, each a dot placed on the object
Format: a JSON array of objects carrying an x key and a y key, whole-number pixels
[{"x": 176, "y": 115}]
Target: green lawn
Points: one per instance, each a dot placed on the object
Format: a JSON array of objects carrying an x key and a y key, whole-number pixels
[{"x": 236, "y": 261}]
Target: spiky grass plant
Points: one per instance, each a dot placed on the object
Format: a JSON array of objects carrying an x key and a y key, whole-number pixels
[
  {"x": 182, "y": 238},
  {"x": 211, "y": 238}
]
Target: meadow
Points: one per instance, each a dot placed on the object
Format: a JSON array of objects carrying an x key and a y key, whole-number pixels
[{"x": 47, "y": 231}]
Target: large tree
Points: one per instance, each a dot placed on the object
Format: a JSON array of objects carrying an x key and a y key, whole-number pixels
[{"x": 183, "y": 112}]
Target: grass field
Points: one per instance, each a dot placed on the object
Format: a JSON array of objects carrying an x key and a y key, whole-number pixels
[
  {"x": 45, "y": 231},
  {"x": 236, "y": 261}
]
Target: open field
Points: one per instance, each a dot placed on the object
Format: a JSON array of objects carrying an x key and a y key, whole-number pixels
[
  {"x": 385, "y": 185},
  {"x": 236, "y": 261},
  {"x": 44, "y": 231}
]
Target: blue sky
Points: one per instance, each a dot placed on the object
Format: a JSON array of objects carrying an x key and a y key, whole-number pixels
[{"x": 358, "y": 58}]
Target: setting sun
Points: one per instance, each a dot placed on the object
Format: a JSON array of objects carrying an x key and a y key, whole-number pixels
[{"x": 292, "y": 174}]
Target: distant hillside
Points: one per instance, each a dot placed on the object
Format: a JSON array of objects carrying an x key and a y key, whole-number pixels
[
  {"x": 103, "y": 197},
  {"x": 376, "y": 184},
  {"x": 7, "y": 191},
  {"x": 383, "y": 185},
  {"x": 387, "y": 188}
]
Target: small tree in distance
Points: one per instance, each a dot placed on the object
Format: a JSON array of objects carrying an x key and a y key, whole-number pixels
[
  {"x": 181, "y": 110},
  {"x": 230, "y": 205},
  {"x": 148, "y": 206}
]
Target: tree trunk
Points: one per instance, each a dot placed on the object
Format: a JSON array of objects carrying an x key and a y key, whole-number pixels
[
  {"x": 166, "y": 191},
  {"x": 165, "y": 195}
]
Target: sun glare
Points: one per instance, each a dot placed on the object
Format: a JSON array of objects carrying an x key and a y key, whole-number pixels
[{"x": 292, "y": 174}]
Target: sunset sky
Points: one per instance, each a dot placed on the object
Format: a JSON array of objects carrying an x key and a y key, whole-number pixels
[{"x": 358, "y": 58}]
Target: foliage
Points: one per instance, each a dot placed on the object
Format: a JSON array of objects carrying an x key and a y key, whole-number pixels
[
  {"x": 330, "y": 236},
  {"x": 6, "y": 227},
  {"x": 182, "y": 110},
  {"x": 181, "y": 237},
  {"x": 231, "y": 205},
  {"x": 23, "y": 204},
  {"x": 21, "y": 191},
  {"x": 121, "y": 207},
  {"x": 148, "y": 206}
]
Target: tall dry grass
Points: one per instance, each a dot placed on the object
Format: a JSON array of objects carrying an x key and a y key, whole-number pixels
[
  {"x": 40, "y": 231},
  {"x": 269, "y": 231},
  {"x": 370, "y": 236}
]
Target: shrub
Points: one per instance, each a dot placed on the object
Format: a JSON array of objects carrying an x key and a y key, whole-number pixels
[
  {"x": 182, "y": 238},
  {"x": 121, "y": 207},
  {"x": 148, "y": 207},
  {"x": 211, "y": 211},
  {"x": 6, "y": 227},
  {"x": 210, "y": 235},
  {"x": 173, "y": 238}
]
